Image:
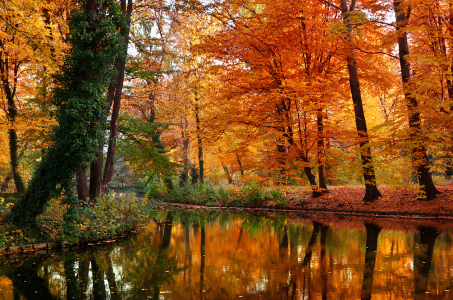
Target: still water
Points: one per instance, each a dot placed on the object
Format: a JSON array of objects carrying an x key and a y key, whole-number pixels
[{"x": 208, "y": 254}]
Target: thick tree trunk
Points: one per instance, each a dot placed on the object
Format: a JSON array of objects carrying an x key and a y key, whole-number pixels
[
  {"x": 82, "y": 188},
  {"x": 311, "y": 178},
  {"x": 73, "y": 144},
  {"x": 199, "y": 139},
  {"x": 372, "y": 192},
  {"x": 8, "y": 178},
  {"x": 20, "y": 187},
  {"x": 427, "y": 189}
]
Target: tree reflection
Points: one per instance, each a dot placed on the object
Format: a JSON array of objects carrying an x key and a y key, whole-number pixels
[
  {"x": 324, "y": 270},
  {"x": 422, "y": 260},
  {"x": 311, "y": 242},
  {"x": 72, "y": 284},
  {"x": 372, "y": 233},
  {"x": 247, "y": 256},
  {"x": 202, "y": 259},
  {"x": 114, "y": 295},
  {"x": 98, "y": 280},
  {"x": 84, "y": 268},
  {"x": 26, "y": 281}
]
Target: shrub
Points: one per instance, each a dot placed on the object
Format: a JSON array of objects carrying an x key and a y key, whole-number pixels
[
  {"x": 156, "y": 190},
  {"x": 278, "y": 197},
  {"x": 253, "y": 194}
]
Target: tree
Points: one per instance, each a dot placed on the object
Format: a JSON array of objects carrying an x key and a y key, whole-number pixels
[
  {"x": 28, "y": 45},
  {"x": 372, "y": 192},
  {"x": 99, "y": 179},
  {"x": 427, "y": 189},
  {"x": 96, "y": 43},
  {"x": 273, "y": 84}
]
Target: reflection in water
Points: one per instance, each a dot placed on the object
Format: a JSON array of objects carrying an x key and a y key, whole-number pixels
[
  {"x": 422, "y": 260},
  {"x": 372, "y": 233},
  {"x": 26, "y": 281},
  {"x": 324, "y": 270},
  {"x": 207, "y": 255}
]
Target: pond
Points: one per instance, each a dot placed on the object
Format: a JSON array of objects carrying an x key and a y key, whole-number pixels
[{"x": 209, "y": 254}]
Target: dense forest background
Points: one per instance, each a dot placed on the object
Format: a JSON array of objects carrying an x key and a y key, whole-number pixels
[{"x": 103, "y": 94}]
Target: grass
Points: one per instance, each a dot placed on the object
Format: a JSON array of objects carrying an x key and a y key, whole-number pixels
[{"x": 249, "y": 195}]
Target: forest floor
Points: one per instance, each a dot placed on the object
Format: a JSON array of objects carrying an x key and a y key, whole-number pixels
[
  {"x": 348, "y": 200},
  {"x": 392, "y": 201}
]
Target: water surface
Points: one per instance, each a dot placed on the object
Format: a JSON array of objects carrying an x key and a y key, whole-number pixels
[{"x": 211, "y": 255}]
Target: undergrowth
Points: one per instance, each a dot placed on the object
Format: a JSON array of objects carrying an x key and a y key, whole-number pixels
[
  {"x": 249, "y": 195},
  {"x": 110, "y": 217}
]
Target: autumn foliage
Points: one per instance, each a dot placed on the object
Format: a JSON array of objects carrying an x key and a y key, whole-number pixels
[{"x": 311, "y": 93}]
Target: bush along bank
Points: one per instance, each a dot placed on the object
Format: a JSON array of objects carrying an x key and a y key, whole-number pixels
[
  {"x": 249, "y": 195},
  {"x": 110, "y": 217}
]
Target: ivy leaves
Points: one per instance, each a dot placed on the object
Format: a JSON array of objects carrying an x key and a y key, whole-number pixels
[{"x": 96, "y": 41}]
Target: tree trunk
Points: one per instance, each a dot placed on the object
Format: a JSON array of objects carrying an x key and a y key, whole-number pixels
[
  {"x": 316, "y": 191},
  {"x": 96, "y": 177},
  {"x": 199, "y": 139},
  {"x": 241, "y": 168},
  {"x": 281, "y": 150},
  {"x": 5, "y": 183},
  {"x": 372, "y": 192},
  {"x": 427, "y": 189},
  {"x": 227, "y": 173},
  {"x": 449, "y": 81},
  {"x": 321, "y": 155},
  {"x": 311, "y": 178},
  {"x": 20, "y": 187},
  {"x": 82, "y": 188},
  {"x": 11, "y": 115},
  {"x": 185, "y": 152},
  {"x": 75, "y": 141},
  {"x": 119, "y": 82}
]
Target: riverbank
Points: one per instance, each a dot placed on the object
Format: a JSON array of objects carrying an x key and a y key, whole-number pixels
[
  {"x": 115, "y": 216},
  {"x": 109, "y": 219},
  {"x": 393, "y": 201},
  {"x": 346, "y": 200}
]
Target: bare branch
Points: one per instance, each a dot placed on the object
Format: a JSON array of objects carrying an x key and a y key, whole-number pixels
[{"x": 330, "y": 4}]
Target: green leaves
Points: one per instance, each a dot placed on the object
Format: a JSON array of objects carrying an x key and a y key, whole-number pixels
[{"x": 96, "y": 42}]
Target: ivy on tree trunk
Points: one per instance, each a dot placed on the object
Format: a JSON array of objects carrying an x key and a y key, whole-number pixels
[{"x": 96, "y": 42}]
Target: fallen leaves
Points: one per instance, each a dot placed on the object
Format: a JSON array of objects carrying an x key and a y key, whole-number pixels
[{"x": 395, "y": 201}]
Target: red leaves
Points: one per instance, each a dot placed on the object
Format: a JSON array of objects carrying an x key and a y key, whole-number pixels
[{"x": 393, "y": 201}]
